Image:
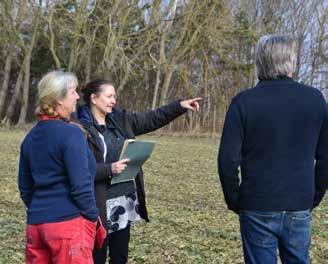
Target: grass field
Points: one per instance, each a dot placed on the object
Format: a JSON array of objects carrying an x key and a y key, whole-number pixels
[{"x": 189, "y": 219}]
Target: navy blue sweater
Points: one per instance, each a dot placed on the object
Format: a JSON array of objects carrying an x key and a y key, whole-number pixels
[
  {"x": 275, "y": 132},
  {"x": 56, "y": 173}
]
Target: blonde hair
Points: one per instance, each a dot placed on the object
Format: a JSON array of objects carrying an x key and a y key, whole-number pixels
[{"x": 53, "y": 86}]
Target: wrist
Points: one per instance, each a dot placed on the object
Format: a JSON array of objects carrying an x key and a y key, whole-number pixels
[{"x": 110, "y": 170}]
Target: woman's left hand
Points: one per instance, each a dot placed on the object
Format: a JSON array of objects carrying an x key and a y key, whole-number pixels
[{"x": 191, "y": 104}]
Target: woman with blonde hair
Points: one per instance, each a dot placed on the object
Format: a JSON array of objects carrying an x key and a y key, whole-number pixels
[{"x": 56, "y": 175}]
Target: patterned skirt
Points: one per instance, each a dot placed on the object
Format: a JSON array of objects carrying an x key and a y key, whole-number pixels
[{"x": 121, "y": 211}]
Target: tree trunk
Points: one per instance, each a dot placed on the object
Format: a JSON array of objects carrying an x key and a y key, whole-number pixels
[
  {"x": 52, "y": 43},
  {"x": 166, "y": 85},
  {"x": 298, "y": 58},
  {"x": 27, "y": 66},
  {"x": 123, "y": 82},
  {"x": 6, "y": 78},
  {"x": 155, "y": 95},
  {"x": 11, "y": 107},
  {"x": 162, "y": 58},
  {"x": 147, "y": 88},
  {"x": 80, "y": 19},
  {"x": 72, "y": 56},
  {"x": 318, "y": 50},
  {"x": 24, "y": 106},
  {"x": 88, "y": 65},
  {"x": 206, "y": 104},
  {"x": 214, "y": 123},
  {"x": 162, "y": 61},
  {"x": 190, "y": 115}
]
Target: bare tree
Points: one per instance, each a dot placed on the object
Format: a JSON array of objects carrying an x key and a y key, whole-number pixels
[
  {"x": 28, "y": 47},
  {"x": 10, "y": 16},
  {"x": 14, "y": 99}
]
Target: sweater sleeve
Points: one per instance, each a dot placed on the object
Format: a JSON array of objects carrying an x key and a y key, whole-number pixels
[
  {"x": 80, "y": 178},
  {"x": 229, "y": 157},
  {"x": 25, "y": 179},
  {"x": 321, "y": 166},
  {"x": 148, "y": 121}
]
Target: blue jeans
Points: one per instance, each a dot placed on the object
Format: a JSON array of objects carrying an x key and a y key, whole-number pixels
[{"x": 264, "y": 232}]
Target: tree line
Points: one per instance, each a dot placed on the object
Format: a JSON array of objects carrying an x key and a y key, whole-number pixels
[{"x": 153, "y": 51}]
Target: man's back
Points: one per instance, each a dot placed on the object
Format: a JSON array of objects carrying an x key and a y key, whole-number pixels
[
  {"x": 278, "y": 123},
  {"x": 277, "y": 132}
]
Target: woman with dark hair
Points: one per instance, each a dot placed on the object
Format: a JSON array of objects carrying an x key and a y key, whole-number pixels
[
  {"x": 56, "y": 179},
  {"x": 108, "y": 126}
]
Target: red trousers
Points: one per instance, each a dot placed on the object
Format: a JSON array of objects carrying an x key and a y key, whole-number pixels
[{"x": 63, "y": 242}]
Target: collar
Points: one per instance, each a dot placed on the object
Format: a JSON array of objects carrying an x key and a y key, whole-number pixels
[
  {"x": 47, "y": 117},
  {"x": 85, "y": 116},
  {"x": 279, "y": 79}
]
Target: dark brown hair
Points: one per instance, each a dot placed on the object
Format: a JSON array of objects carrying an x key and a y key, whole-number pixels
[{"x": 93, "y": 87}]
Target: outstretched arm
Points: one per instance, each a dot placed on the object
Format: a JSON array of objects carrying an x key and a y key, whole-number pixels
[{"x": 148, "y": 121}]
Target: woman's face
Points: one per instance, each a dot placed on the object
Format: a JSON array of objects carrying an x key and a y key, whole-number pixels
[
  {"x": 105, "y": 100},
  {"x": 67, "y": 105}
]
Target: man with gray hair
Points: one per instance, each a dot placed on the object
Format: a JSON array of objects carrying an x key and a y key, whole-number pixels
[{"x": 277, "y": 132}]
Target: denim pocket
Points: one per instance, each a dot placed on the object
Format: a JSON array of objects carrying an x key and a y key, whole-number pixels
[
  {"x": 300, "y": 229},
  {"x": 258, "y": 227}
]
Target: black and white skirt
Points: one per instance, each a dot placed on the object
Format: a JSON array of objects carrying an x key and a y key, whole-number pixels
[{"x": 121, "y": 211}]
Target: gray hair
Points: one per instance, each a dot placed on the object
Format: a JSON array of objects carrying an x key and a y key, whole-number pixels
[
  {"x": 274, "y": 55},
  {"x": 53, "y": 86}
]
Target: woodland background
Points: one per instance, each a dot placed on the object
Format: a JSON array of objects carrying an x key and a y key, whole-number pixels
[{"x": 154, "y": 51}]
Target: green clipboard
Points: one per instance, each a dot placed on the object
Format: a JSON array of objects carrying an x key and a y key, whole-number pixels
[{"x": 138, "y": 151}]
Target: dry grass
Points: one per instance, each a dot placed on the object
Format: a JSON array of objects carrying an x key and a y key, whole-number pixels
[{"x": 189, "y": 220}]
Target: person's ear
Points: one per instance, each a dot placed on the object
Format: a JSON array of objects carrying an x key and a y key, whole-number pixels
[{"x": 93, "y": 99}]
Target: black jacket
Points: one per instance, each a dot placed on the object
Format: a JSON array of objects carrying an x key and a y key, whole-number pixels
[{"x": 131, "y": 125}]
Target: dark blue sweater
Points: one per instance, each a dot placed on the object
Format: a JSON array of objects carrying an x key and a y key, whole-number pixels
[
  {"x": 275, "y": 132},
  {"x": 56, "y": 173}
]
